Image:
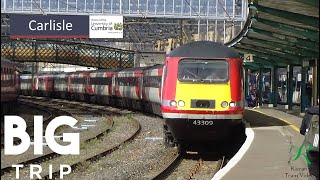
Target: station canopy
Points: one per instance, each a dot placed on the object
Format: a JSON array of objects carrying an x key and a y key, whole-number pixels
[{"x": 280, "y": 33}]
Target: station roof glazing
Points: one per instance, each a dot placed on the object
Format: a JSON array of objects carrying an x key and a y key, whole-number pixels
[{"x": 146, "y": 21}]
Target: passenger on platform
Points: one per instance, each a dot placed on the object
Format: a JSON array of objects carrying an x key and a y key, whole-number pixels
[
  {"x": 256, "y": 91},
  {"x": 251, "y": 99},
  {"x": 309, "y": 93},
  {"x": 312, "y": 155}
]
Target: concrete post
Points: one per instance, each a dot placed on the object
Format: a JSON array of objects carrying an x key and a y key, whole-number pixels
[
  {"x": 275, "y": 79},
  {"x": 32, "y": 79},
  {"x": 181, "y": 33},
  {"x": 290, "y": 86},
  {"x": 260, "y": 86},
  {"x": 136, "y": 59},
  {"x": 303, "y": 89},
  {"x": 315, "y": 82},
  {"x": 246, "y": 83}
]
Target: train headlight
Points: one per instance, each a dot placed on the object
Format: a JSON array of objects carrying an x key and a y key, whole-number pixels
[
  {"x": 173, "y": 103},
  {"x": 181, "y": 103},
  {"x": 224, "y": 104},
  {"x": 232, "y": 104}
]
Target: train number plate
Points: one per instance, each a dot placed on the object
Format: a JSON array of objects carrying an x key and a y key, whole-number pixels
[{"x": 202, "y": 123}]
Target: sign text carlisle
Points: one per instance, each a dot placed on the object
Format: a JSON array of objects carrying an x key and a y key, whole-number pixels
[{"x": 49, "y": 26}]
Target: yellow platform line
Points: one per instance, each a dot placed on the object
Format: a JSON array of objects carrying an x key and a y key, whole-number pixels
[{"x": 283, "y": 120}]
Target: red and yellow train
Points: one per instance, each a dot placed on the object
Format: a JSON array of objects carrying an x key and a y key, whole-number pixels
[{"x": 198, "y": 90}]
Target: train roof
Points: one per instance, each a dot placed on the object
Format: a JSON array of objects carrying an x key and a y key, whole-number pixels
[
  {"x": 142, "y": 68},
  {"x": 104, "y": 70},
  {"x": 204, "y": 49}
]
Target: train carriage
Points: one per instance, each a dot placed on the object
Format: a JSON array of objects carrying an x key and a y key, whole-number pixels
[
  {"x": 61, "y": 85},
  {"x": 151, "y": 89},
  {"x": 202, "y": 92},
  {"x": 101, "y": 84},
  {"x": 45, "y": 85},
  {"x": 10, "y": 85},
  {"x": 78, "y": 86},
  {"x": 29, "y": 84},
  {"x": 127, "y": 87}
]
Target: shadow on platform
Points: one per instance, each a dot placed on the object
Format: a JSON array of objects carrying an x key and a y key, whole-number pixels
[{"x": 257, "y": 119}]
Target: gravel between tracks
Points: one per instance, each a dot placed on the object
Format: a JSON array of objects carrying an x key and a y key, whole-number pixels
[
  {"x": 26, "y": 112},
  {"x": 138, "y": 159}
]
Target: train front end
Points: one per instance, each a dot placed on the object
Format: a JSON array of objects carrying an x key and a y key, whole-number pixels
[{"x": 202, "y": 96}]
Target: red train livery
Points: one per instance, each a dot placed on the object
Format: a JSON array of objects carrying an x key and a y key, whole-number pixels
[{"x": 10, "y": 86}]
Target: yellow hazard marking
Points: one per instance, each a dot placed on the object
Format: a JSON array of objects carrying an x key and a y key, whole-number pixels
[
  {"x": 283, "y": 120},
  {"x": 206, "y": 91}
]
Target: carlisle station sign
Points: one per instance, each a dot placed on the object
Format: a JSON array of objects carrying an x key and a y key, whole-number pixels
[{"x": 66, "y": 26}]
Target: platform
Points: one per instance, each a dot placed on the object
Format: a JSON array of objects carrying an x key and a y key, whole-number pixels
[{"x": 272, "y": 134}]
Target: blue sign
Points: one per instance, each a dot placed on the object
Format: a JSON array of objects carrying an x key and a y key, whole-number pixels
[{"x": 49, "y": 26}]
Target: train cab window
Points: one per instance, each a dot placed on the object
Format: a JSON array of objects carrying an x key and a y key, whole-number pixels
[{"x": 203, "y": 71}]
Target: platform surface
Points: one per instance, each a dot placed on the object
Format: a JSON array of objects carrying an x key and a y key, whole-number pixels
[{"x": 269, "y": 156}]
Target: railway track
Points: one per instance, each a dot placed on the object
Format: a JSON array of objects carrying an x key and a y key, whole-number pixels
[
  {"x": 98, "y": 155},
  {"x": 187, "y": 166},
  {"x": 191, "y": 166},
  {"x": 75, "y": 110},
  {"x": 51, "y": 113},
  {"x": 65, "y": 105}
]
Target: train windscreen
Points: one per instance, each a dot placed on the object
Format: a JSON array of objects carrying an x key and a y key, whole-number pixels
[{"x": 203, "y": 71}]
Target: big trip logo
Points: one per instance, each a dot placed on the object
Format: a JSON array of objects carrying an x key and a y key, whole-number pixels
[{"x": 15, "y": 127}]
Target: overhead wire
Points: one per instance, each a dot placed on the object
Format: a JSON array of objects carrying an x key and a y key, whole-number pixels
[
  {"x": 224, "y": 9},
  {"x": 199, "y": 15},
  {"x": 143, "y": 16},
  {"x": 38, "y": 6}
]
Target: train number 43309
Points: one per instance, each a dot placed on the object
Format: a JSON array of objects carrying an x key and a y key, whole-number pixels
[{"x": 202, "y": 123}]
